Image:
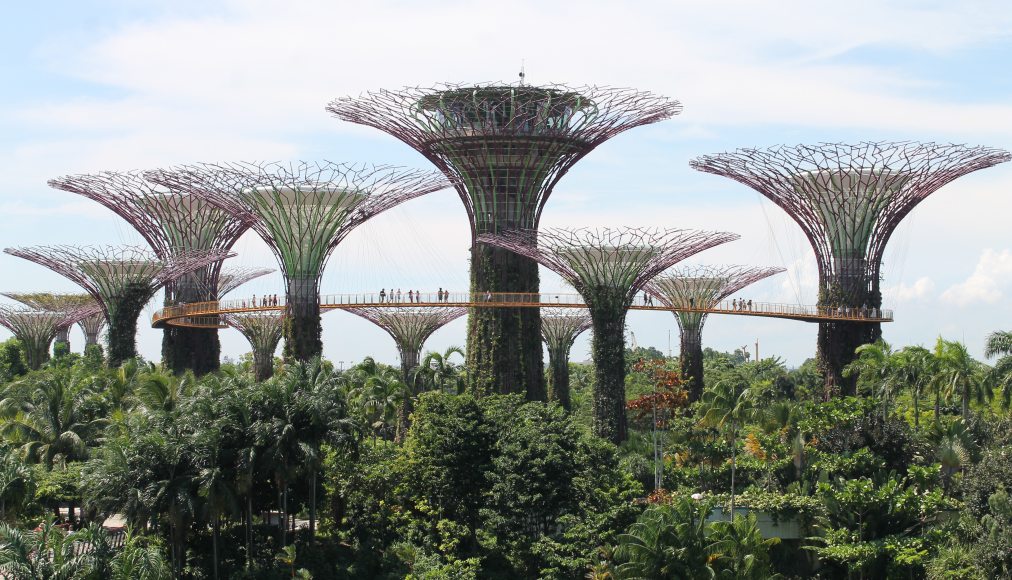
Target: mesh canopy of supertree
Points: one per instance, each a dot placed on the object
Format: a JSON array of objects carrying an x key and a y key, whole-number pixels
[
  {"x": 561, "y": 326},
  {"x": 608, "y": 266},
  {"x": 36, "y": 329},
  {"x": 263, "y": 331},
  {"x": 84, "y": 305},
  {"x": 849, "y": 198},
  {"x": 92, "y": 326},
  {"x": 171, "y": 221},
  {"x": 409, "y": 326},
  {"x": 698, "y": 288},
  {"x": 504, "y": 145},
  {"x": 235, "y": 276}
]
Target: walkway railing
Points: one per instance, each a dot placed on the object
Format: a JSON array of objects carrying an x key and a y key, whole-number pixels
[{"x": 203, "y": 314}]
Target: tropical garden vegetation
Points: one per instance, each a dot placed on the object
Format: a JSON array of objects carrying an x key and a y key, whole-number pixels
[{"x": 133, "y": 472}]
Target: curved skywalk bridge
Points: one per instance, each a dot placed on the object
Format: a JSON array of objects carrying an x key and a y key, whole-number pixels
[{"x": 205, "y": 314}]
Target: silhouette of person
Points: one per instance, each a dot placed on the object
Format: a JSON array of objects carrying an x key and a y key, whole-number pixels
[
  {"x": 411, "y": 296},
  {"x": 383, "y": 294},
  {"x": 399, "y": 295}
]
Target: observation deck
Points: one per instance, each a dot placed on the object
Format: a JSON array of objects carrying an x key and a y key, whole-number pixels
[{"x": 204, "y": 314}]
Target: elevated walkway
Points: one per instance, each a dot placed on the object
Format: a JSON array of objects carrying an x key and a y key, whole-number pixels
[{"x": 204, "y": 314}]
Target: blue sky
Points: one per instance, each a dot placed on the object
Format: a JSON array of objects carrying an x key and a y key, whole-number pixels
[{"x": 114, "y": 85}]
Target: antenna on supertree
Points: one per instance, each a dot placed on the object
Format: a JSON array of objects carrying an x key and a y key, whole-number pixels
[
  {"x": 608, "y": 267},
  {"x": 559, "y": 329},
  {"x": 848, "y": 199},
  {"x": 410, "y": 327},
  {"x": 694, "y": 290},
  {"x": 36, "y": 329},
  {"x": 231, "y": 278},
  {"x": 505, "y": 147},
  {"x": 49, "y": 302},
  {"x": 121, "y": 278},
  {"x": 263, "y": 331},
  {"x": 172, "y": 222},
  {"x": 302, "y": 211}
]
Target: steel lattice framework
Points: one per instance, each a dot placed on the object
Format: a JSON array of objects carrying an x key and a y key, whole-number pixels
[
  {"x": 608, "y": 267},
  {"x": 410, "y": 327},
  {"x": 263, "y": 331},
  {"x": 848, "y": 199},
  {"x": 559, "y": 329},
  {"x": 92, "y": 326},
  {"x": 36, "y": 329},
  {"x": 235, "y": 276},
  {"x": 121, "y": 278},
  {"x": 693, "y": 290},
  {"x": 302, "y": 211},
  {"x": 50, "y": 302},
  {"x": 505, "y": 147},
  {"x": 172, "y": 222}
]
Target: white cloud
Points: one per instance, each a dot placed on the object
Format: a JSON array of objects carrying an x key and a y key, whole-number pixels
[
  {"x": 919, "y": 290},
  {"x": 991, "y": 277}
]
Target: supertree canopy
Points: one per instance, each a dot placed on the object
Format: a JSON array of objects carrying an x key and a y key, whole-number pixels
[
  {"x": 505, "y": 147},
  {"x": 37, "y": 328},
  {"x": 559, "y": 329},
  {"x": 122, "y": 279},
  {"x": 692, "y": 291},
  {"x": 263, "y": 331},
  {"x": 231, "y": 278},
  {"x": 49, "y": 302},
  {"x": 848, "y": 199},
  {"x": 173, "y": 223},
  {"x": 92, "y": 326},
  {"x": 302, "y": 211},
  {"x": 608, "y": 266}
]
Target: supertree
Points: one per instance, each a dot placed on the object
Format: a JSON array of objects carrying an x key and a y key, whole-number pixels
[
  {"x": 231, "y": 278},
  {"x": 848, "y": 199},
  {"x": 36, "y": 329},
  {"x": 263, "y": 331},
  {"x": 50, "y": 302},
  {"x": 302, "y": 211},
  {"x": 608, "y": 266},
  {"x": 92, "y": 326},
  {"x": 173, "y": 223},
  {"x": 559, "y": 329},
  {"x": 122, "y": 279},
  {"x": 693, "y": 291},
  {"x": 505, "y": 146}
]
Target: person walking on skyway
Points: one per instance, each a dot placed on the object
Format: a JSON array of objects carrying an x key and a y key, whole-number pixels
[
  {"x": 399, "y": 295},
  {"x": 439, "y": 295},
  {"x": 383, "y": 295},
  {"x": 411, "y": 296}
]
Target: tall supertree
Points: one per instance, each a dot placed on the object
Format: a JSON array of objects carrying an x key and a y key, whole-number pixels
[
  {"x": 693, "y": 291},
  {"x": 608, "y": 266},
  {"x": 173, "y": 223},
  {"x": 49, "y": 302},
  {"x": 302, "y": 211},
  {"x": 92, "y": 326},
  {"x": 559, "y": 329},
  {"x": 231, "y": 278},
  {"x": 263, "y": 331},
  {"x": 122, "y": 279},
  {"x": 848, "y": 199},
  {"x": 505, "y": 147},
  {"x": 36, "y": 329}
]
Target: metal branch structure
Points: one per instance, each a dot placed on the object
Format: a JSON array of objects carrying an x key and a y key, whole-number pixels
[
  {"x": 69, "y": 303},
  {"x": 848, "y": 199},
  {"x": 231, "y": 278},
  {"x": 121, "y": 278},
  {"x": 302, "y": 211},
  {"x": 692, "y": 291},
  {"x": 92, "y": 326},
  {"x": 36, "y": 329},
  {"x": 263, "y": 331},
  {"x": 608, "y": 267},
  {"x": 173, "y": 223},
  {"x": 559, "y": 329},
  {"x": 505, "y": 147}
]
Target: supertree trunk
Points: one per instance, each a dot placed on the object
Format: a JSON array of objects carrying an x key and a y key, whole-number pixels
[
  {"x": 302, "y": 326},
  {"x": 185, "y": 348},
  {"x": 608, "y": 348},
  {"x": 558, "y": 390},
  {"x": 62, "y": 338},
  {"x": 123, "y": 315},
  {"x": 263, "y": 365},
  {"x": 409, "y": 362},
  {"x": 504, "y": 344},
  {"x": 36, "y": 353},
  {"x": 691, "y": 360},
  {"x": 837, "y": 341}
]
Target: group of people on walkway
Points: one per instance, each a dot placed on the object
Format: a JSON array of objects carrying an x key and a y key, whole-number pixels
[
  {"x": 741, "y": 305},
  {"x": 265, "y": 300},
  {"x": 414, "y": 296}
]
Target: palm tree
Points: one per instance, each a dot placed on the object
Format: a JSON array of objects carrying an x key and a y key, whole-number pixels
[
  {"x": 378, "y": 392},
  {"x": 954, "y": 442},
  {"x": 742, "y": 553},
  {"x": 138, "y": 560},
  {"x": 874, "y": 366},
  {"x": 667, "y": 541},
  {"x": 960, "y": 373},
  {"x": 43, "y": 554},
  {"x": 999, "y": 343},
  {"x": 913, "y": 367},
  {"x": 727, "y": 406},
  {"x": 439, "y": 370},
  {"x": 16, "y": 483}
]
